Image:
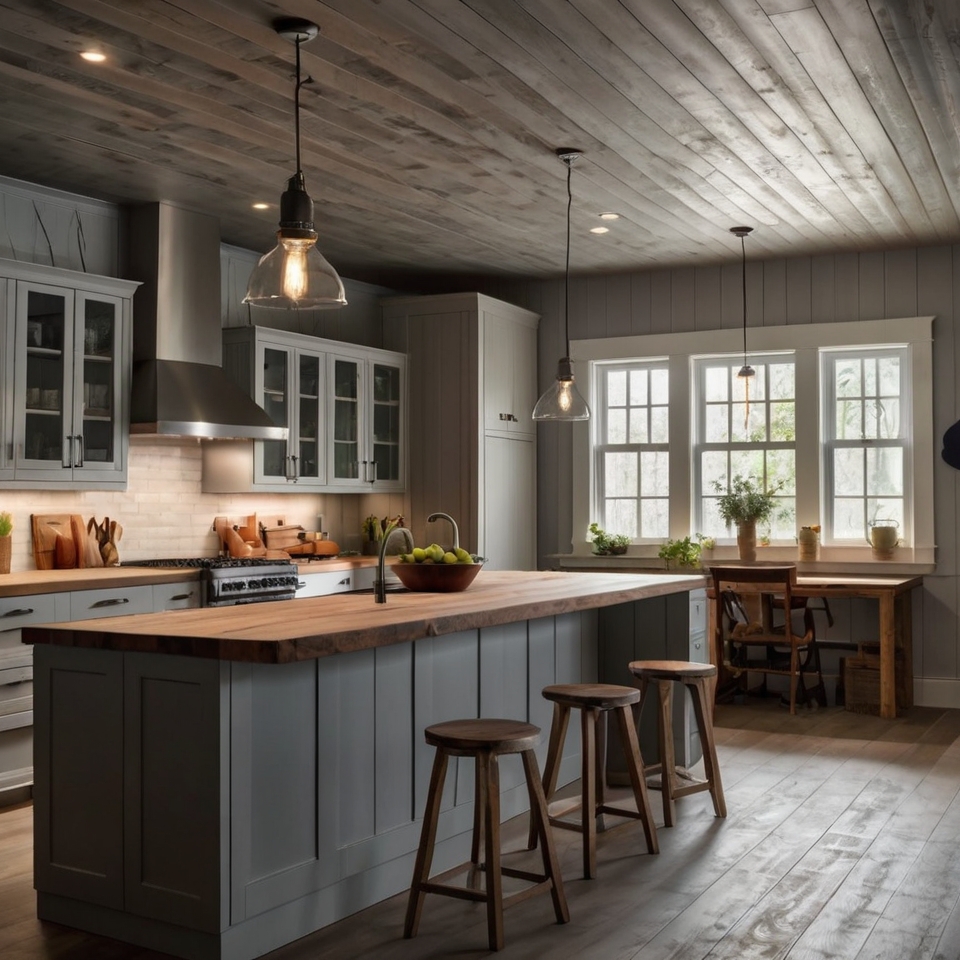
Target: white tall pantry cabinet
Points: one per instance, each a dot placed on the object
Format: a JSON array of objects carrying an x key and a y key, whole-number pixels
[{"x": 472, "y": 376}]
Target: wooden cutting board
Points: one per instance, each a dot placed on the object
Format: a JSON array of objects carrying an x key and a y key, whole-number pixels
[{"x": 46, "y": 527}]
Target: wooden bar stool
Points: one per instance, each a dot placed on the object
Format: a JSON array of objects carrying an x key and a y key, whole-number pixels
[
  {"x": 700, "y": 679},
  {"x": 485, "y": 740},
  {"x": 592, "y": 700}
]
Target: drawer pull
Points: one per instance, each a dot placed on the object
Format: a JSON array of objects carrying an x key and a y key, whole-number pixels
[
  {"x": 345, "y": 582},
  {"x": 182, "y": 596},
  {"x": 301, "y": 584},
  {"x": 110, "y": 602},
  {"x": 19, "y": 612}
]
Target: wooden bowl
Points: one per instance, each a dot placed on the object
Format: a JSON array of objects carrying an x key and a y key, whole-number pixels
[{"x": 436, "y": 577}]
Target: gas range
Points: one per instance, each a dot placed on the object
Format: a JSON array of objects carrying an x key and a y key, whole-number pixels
[{"x": 232, "y": 580}]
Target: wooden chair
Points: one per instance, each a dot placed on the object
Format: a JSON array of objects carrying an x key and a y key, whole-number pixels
[
  {"x": 594, "y": 700},
  {"x": 485, "y": 740},
  {"x": 784, "y": 651}
]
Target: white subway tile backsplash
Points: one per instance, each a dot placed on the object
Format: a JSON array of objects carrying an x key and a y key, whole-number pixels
[{"x": 163, "y": 511}]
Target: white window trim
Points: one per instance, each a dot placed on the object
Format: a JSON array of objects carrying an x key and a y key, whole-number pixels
[{"x": 806, "y": 340}]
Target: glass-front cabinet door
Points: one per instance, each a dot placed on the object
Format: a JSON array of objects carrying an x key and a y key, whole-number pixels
[
  {"x": 67, "y": 422},
  {"x": 291, "y": 392},
  {"x": 366, "y": 441}
]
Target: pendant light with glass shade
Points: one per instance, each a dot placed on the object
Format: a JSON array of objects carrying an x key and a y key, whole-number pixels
[
  {"x": 294, "y": 274},
  {"x": 562, "y": 400}
]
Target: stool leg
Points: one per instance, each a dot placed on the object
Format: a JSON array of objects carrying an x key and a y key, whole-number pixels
[
  {"x": 479, "y": 805},
  {"x": 551, "y": 769},
  {"x": 551, "y": 867},
  {"x": 588, "y": 789},
  {"x": 488, "y": 773},
  {"x": 668, "y": 762},
  {"x": 428, "y": 837},
  {"x": 631, "y": 747},
  {"x": 702, "y": 692}
]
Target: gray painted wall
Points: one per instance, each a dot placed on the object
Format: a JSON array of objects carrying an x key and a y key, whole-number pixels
[{"x": 826, "y": 288}]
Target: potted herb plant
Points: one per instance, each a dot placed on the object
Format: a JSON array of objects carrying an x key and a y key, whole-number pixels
[
  {"x": 6, "y": 526},
  {"x": 681, "y": 553},
  {"x": 605, "y": 544},
  {"x": 745, "y": 504}
]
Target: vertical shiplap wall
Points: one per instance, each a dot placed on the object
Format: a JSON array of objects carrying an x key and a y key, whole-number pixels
[{"x": 825, "y": 288}]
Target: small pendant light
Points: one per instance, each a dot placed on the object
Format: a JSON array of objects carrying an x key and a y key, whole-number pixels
[
  {"x": 562, "y": 400},
  {"x": 746, "y": 371},
  {"x": 294, "y": 274}
]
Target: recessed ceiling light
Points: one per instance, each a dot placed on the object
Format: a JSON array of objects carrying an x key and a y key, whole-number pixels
[
  {"x": 93, "y": 56},
  {"x": 609, "y": 216},
  {"x": 599, "y": 229},
  {"x": 261, "y": 206}
]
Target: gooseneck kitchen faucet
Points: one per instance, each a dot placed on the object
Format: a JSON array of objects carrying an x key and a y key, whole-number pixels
[{"x": 453, "y": 523}]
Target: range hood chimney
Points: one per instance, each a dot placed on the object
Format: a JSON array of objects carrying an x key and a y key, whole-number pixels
[{"x": 179, "y": 388}]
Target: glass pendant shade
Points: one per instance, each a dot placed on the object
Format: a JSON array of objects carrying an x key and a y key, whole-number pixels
[
  {"x": 296, "y": 275},
  {"x": 562, "y": 400}
]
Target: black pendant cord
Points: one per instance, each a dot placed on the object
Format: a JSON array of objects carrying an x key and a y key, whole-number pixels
[
  {"x": 566, "y": 275},
  {"x": 296, "y": 105},
  {"x": 743, "y": 279}
]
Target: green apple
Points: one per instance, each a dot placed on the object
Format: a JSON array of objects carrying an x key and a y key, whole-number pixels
[
  {"x": 419, "y": 554},
  {"x": 462, "y": 555},
  {"x": 449, "y": 557}
]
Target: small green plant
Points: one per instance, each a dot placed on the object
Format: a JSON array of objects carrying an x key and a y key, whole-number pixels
[
  {"x": 746, "y": 500},
  {"x": 681, "y": 553},
  {"x": 6, "y": 524},
  {"x": 706, "y": 543},
  {"x": 605, "y": 543}
]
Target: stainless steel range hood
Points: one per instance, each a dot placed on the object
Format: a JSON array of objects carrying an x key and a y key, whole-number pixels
[{"x": 179, "y": 388}]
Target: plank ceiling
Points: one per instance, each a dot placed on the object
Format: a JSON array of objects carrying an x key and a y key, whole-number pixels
[{"x": 429, "y": 127}]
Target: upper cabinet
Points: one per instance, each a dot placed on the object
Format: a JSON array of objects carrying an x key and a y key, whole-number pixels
[
  {"x": 66, "y": 363},
  {"x": 509, "y": 390},
  {"x": 343, "y": 406}
]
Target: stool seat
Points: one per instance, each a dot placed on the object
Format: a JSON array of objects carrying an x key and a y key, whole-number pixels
[
  {"x": 604, "y": 696},
  {"x": 593, "y": 700},
  {"x": 464, "y": 737},
  {"x": 671, "y": 669},
  {"x": 485, "y": 740},
  {"x": 700, "y": 679}
]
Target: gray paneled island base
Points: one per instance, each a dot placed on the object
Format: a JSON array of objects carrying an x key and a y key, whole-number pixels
[{"x": 216, "y": 783}]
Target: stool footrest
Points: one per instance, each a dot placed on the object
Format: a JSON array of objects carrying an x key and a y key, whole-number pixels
[
  {"x": 449, "y": 890},
  {"x": 698, "y": 787},
  {"x": 524, "y": 875},
  {"x": 521, "y": 895}
]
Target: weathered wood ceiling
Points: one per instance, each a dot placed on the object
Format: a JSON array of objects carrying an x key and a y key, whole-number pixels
[{"x": 430, "y": 126}]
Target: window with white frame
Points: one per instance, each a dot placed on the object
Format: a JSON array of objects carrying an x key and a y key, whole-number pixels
[
  {"x": 632, "y": 452},
  {"x": 839, "y": 416},
  {"x": 866, "y": 451},
  {"x": 745, "y": 427}
]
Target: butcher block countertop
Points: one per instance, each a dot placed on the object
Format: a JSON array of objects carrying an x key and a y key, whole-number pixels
[{"x": 285, "y": 631}]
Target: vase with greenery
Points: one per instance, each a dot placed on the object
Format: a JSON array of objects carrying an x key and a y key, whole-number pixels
[
  {"x": 605, "y": 544},
  {"x": 746, "y": 503},
  {"x": 6, "y": 526}
]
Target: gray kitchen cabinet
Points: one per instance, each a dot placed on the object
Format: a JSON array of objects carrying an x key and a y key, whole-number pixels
[
  {"x": 473, "y": 380},
  {"x": 66, "y": 370},
  {"x": 112, "y": 602},
  {"x": 343, "y": 405}
]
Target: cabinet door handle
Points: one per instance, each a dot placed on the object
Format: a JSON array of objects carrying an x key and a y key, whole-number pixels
[
  {"x": 345, "y": 582},
  {"x": 509, "y": 417},
  {"x": 181, "y": 596},
  {"x": 66, "y": 460},
  {"x": 19, "y": 612},
  {"x": 110, "y": 602},
  {"x": 373, "y": 463},
  {"x": 79, "y": 461},
  {"x": 301, "y": 584},
  {"x": 292, "y": 474}
]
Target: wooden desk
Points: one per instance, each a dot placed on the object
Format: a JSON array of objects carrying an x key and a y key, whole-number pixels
[{"x": 894, "y": 597}]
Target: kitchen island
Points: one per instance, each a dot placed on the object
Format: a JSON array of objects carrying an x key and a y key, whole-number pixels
[{"x": 214, "y": 783}]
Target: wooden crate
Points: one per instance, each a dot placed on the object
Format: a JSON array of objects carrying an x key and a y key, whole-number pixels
[{"x": 861, "y": 683}]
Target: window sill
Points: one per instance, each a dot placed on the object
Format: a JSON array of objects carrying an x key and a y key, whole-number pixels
[{"x": 904, "y": 563}]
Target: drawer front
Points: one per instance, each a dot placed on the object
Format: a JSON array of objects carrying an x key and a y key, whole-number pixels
[
  {"x": 325, "y": 584},
  {"x": 16, "y": 612},
  {"x": 176, "y": 596},
  {"x": 87, "y": 604}
]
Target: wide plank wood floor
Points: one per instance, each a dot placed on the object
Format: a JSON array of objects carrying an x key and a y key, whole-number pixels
[{"x": 842, "y": 843}]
